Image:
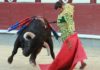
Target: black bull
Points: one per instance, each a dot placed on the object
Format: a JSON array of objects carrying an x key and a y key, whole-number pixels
[{"x": 31, "y": 40}]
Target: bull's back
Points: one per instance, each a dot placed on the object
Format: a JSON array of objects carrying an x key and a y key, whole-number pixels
[{"x": 37, "y": 27}]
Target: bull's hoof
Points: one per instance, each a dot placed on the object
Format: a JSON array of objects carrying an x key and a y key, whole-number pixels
[
  {"x": 10, "y": 59},
  {"x": 83, "y": 66},
  {"x": 33, "y": 63}
]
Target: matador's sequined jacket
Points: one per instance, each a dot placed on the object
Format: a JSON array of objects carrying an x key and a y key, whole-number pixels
[{"x": 65, "y": 21}]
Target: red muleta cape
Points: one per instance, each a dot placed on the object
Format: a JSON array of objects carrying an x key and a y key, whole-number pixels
[{"x": 68, "y": 57}]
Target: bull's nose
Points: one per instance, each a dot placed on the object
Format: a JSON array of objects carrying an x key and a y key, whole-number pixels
[
  {"x": 26, "y": 51},
  {"x": 25, "y": 54}
]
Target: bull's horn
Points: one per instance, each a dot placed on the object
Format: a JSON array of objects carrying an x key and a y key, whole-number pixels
[{"x": 30, "y": 34}]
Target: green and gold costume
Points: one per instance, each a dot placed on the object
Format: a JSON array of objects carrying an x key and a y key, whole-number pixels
[{"x": 65, "y": 21}]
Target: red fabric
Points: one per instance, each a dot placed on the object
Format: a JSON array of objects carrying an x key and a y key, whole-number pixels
[
  {"x": 44, "y": 66},
  {"x": 48, "y": 25},
  {"x": 67, "y": 58},
  {"x": 24, "y": 21}
]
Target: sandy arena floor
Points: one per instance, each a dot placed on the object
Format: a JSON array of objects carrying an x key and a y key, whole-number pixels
[{"x": 22, "y": 63}]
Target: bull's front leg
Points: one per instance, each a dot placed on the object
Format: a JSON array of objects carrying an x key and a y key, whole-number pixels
[
  {"x": 16, "y": 46},
  {"x": 47, "y": 47},
  {"x": 50, "y": 43},
  {"x": 34, "y": 55}
]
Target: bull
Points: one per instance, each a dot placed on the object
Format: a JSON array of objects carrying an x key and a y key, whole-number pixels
[{"x": 32, "y": 39}]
